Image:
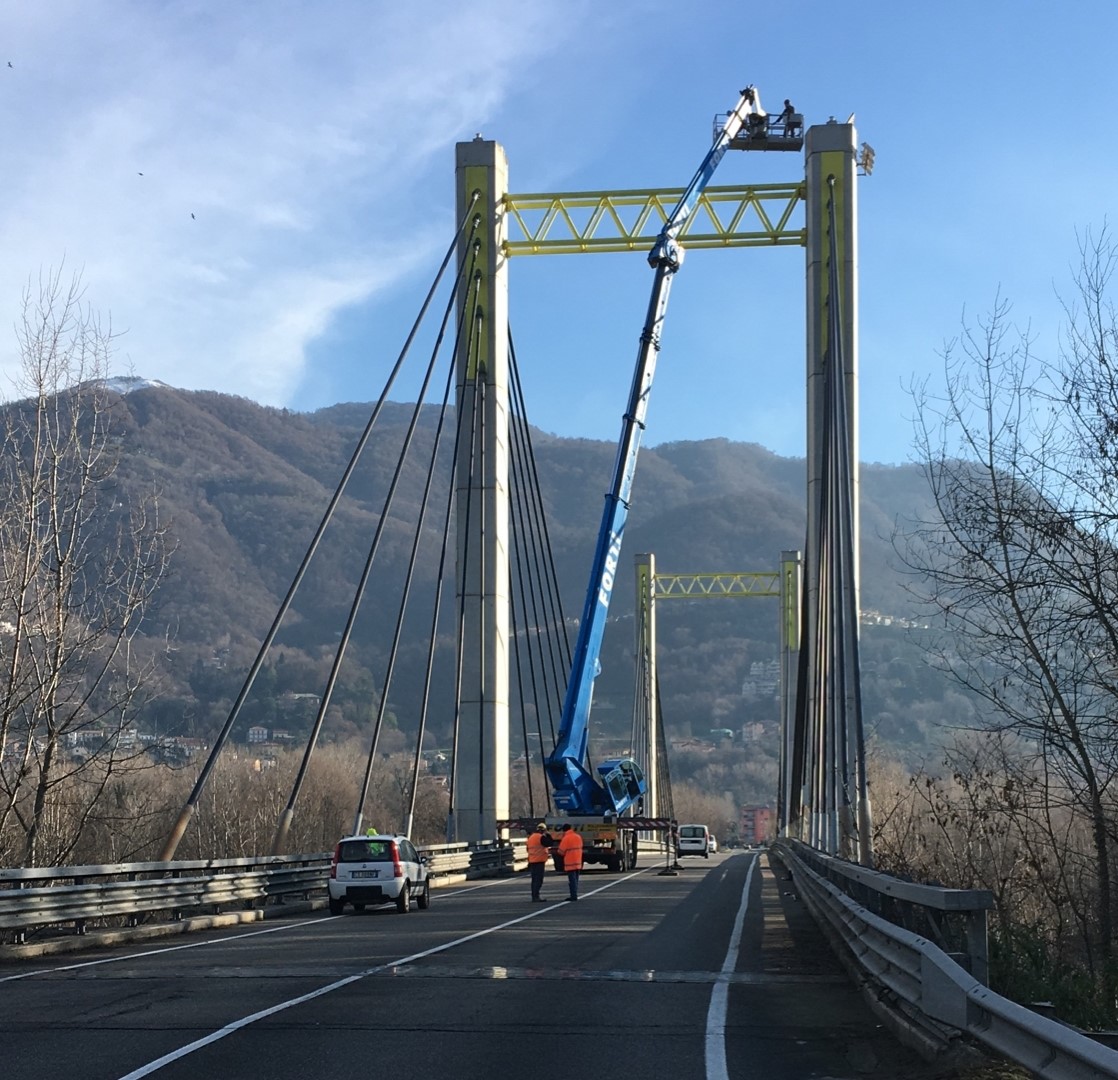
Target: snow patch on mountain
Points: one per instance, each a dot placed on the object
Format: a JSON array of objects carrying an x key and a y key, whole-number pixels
[{"x": 126, "y": 384}]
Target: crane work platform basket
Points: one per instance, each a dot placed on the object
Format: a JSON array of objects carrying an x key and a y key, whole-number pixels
[{"x": 762, "y": 131}]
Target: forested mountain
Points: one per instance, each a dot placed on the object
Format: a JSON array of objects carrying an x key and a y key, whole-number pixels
[{"x": 243, "y": 488}]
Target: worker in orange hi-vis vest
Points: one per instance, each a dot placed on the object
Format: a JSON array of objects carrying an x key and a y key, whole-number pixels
[
  {"x": 540, "y": 844},
  {"x": 570, "y": 851}
]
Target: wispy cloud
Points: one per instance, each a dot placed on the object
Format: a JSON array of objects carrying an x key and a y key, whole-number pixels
[{"x": 228, "y": 178}]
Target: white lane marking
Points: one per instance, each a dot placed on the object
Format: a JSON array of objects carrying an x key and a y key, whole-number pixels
[
  {"x": 236, "y": 1025},
  {"x": 209, "y": 941},
  {"x": 473, "y": 888},
  {"x": 169, "y": 949},
  {"x": 720, "y": 993}
]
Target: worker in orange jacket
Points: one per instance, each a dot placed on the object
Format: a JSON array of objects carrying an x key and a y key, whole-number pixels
[
  {"x": 570, "y": 851},
  {"x": 540, "y": 844}
]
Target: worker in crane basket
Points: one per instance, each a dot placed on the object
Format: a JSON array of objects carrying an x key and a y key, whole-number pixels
[
  {"x": 570, "y": 851},
  {"x": 788, "y": 118},
  {"x": 540, "y": 843}
]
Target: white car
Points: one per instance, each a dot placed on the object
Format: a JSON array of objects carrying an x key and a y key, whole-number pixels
[
  {"x": 378, "y": 869},
  {"x": 712, "y": 844},
  {"x": 694, "y": 840}
]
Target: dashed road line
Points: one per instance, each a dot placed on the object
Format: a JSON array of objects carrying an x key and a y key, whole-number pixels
[
  {"x": 245, "y": 1021},
  {"x": 640, "y": 975}
]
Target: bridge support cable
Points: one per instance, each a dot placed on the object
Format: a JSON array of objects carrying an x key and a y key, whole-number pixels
[
  {"x": 327, "y": 694},
  {"x": 540, "y": 620},
  {"x": 518, "y": 668},
  {"x": 533, "y": 627},
  {"x": 175, "y": 837},
  {"x": 836, "y": 803},
  {"x": 824, "y": 781},
  {"x": 440, "y": 585},
  {"x": 544, "y": 572},
  {"x": 855, "y": 829},
  {"x": 417, "y": 760},
  {"x": 797, "y": 771},
  {"x": 823, "y": 784},
  {"x": 382, "y": 704},
  {"x": 466, "y": 511},
  {"x": 486, "y": 687},
  {"x": 528, "y": 625},
  {"x": 791, "y": 599}
]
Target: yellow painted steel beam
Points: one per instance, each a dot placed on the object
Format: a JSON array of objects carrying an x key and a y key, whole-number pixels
[
  {"x": 759, "y": 215},
  {"x": 673, "y": 586}
]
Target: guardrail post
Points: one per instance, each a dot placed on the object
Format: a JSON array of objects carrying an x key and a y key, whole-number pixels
[
  {"x": 176, "y": 915},
  {"x": 79, "y": 924},
  {"x": 133, "y": 920},
  {"x": 978, "y": 946}
]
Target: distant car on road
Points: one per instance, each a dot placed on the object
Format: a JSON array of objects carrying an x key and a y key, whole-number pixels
[
  {"x": 712, "y": 844},
  {"x": 378, "y": 869},
  {"x": 694, "y": 840}
]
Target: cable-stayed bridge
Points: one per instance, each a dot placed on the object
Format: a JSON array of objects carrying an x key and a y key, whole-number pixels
[{"x": 709, "y": 969}]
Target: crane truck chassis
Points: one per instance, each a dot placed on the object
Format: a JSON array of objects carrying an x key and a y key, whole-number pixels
[{"x": 607, "y": 840}]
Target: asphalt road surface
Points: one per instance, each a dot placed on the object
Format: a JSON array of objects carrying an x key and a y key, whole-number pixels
[{"x": 714, "y": 973}]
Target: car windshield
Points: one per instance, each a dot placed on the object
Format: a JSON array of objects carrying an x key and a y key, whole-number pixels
[
  {"x": 692, "y": 832},
  {"x": 365, "y": 851}
]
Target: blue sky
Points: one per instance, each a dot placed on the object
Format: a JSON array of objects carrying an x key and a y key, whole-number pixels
[{"x": 313, "y": 143}]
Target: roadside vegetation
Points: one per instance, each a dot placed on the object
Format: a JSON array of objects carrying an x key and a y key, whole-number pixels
[
  {"x": 80, "y": 560},
  {"x": 1016, "y": 569}
]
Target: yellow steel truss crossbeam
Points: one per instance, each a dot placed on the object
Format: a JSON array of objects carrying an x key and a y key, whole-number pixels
[
  {"x": 671, "y": 586},
  {"x": 760, "y": 215}
]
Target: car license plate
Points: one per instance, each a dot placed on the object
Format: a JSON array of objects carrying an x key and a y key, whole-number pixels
[{"x": 366, "y": 873}]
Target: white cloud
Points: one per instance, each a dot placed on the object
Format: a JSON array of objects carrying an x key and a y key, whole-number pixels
[{"x": 284, "y": 152}]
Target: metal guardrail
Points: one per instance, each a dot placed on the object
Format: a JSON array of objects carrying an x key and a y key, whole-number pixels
[
  {"x": 941, "y": 996},
  {"x": 38, "y": 897},
  {"x": 955, "y": 919},
  {"x": 486, "y": 857}
]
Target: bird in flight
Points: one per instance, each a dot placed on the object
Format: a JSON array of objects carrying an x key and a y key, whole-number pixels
[
  {"x": 193, "y": 218},
  {"x": 9, "y": 63}
]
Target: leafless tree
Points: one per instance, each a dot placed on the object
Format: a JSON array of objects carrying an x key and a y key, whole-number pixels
[
  {"x": 80, "y": 559},
  {"x": 716, "y": 810},
  {"x": 1019, "y": 562}
]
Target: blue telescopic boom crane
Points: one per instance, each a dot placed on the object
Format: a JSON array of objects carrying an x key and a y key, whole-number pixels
[{"x": 622, "y": 783}]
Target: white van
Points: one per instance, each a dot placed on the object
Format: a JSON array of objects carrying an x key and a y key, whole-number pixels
[{"x": 694, "y": 840}]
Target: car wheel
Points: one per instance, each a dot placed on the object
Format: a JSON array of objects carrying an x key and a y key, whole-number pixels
[
  {"x": 424, "y": 902},
  {"x": 336, "y": 906},
  {"x": 358, "y": 907},
  {"x": 403, "y": 901}
]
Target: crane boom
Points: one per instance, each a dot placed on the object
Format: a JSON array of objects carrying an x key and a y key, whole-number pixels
[{"x": 575, "y": 789}]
